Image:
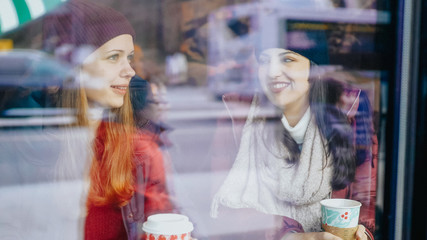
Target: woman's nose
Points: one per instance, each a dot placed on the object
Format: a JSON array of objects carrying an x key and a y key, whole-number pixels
[
  {"x": 127, "y": 70},
  {"x": 274, "y": 70}
]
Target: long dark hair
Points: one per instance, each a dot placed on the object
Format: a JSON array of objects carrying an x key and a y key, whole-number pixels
[
  {"x": 334, "y": 127},
  {"x": 339, "y": 142}
]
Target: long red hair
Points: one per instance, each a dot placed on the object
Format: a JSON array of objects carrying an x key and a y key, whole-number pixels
[{"x": 111, "y": 171}]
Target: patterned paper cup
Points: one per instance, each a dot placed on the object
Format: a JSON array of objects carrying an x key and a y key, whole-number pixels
[
  {"x": 340, "y": 217},
  {"x": 167, "y": 226}
]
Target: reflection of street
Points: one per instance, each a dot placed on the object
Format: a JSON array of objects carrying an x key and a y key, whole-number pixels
[
  {"x": 42, "y": 211},
  {"x": 34, "y": 204},
  {"x": 191, "y": 101},
  {"x": 195, "y": 191},
  {"x": 27, "y": 183},
  {"x": 193, "y": 115}
]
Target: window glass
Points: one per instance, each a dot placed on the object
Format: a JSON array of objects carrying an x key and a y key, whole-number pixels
[{"x": 241, "y": 115}]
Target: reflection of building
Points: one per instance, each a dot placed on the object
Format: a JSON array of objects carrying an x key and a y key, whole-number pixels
[
  {"x": 334, "y": 37},
  {"x": 176, "y": 68}
]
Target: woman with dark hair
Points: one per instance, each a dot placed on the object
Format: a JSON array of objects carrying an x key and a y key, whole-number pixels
[{"x": 320, "y": 147}]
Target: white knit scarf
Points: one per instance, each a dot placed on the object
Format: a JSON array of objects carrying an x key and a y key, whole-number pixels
[{"x": 259, "y": 179}]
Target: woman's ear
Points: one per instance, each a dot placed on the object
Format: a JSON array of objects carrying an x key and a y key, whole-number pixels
[{"x": 315, "y": 72}]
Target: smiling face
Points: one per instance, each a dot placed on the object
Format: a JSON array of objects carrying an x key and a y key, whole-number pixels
[
  {"x": 284, "y": 78},
  {"x": 106, "y": 72}
]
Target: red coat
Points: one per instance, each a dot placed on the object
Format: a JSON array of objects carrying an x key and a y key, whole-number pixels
[{"x": 150, "y": 197}]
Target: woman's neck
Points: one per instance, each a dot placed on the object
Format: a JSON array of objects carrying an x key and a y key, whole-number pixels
[
  {"x": 94, "y": 123},
  {"x": 95, "y": 115},
  {"x": 295, "y": 112}
]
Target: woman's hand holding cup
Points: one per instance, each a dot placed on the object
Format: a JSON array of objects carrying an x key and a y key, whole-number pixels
[{"x": 360, "y": 235}]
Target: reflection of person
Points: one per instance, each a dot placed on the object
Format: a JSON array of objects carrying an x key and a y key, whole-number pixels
[
  {"x": 148, "y": 98},
  {"x": 156, "y": 105},
  {"x": 98, "y": 41},
  {"x": 138, "y": 63},
  {"x": 148, "y": 111},
  {"x": 320, "y": 147}
]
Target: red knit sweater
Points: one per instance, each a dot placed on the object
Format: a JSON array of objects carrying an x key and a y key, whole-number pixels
[{"x": 104, "y": 222}]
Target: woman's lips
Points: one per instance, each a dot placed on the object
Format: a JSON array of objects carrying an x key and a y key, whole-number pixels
[
  {"x": 119, "y": 89},
  {"x": 277, "y": 87}
]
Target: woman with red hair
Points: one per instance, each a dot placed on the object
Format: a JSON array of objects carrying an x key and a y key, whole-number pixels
[{"x": 127, "y": 180}]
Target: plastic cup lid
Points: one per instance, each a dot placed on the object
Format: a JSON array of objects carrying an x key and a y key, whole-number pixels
[{"x": 167, "y": 224}]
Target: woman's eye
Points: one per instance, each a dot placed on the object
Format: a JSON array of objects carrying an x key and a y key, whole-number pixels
[
  {"x": 131, "y": 57},
  {"x": 113, "y": 57},
  {"x": 287, "y": 60}
]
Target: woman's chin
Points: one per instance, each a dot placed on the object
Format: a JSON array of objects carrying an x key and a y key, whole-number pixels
[
  {"x": 115, "y": 104},
  {"x": 276, "y": 101}
]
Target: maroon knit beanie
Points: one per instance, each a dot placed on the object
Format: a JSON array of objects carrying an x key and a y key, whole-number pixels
[{"x": 78, "y": 27}]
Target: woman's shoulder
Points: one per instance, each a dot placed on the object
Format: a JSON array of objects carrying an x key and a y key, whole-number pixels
[
  {"x": 143, "y": 137},
  {"x": 146, "y": 144}
]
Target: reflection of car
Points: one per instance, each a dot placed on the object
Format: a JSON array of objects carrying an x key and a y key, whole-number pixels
[
  {"x": 26, "y": 79},
  {"x": 31, "y": 68},
  {"x": 31, "y": 146}
]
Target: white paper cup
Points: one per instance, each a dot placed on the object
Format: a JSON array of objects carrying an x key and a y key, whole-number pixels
[
  {"x": 167, "y": 226},
  {"x": 340, "y": 217}
]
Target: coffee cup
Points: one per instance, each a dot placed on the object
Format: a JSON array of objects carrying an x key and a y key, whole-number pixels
[
  {"x": 340, "y": 217},
  {"x": 167, "y": 226}
]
